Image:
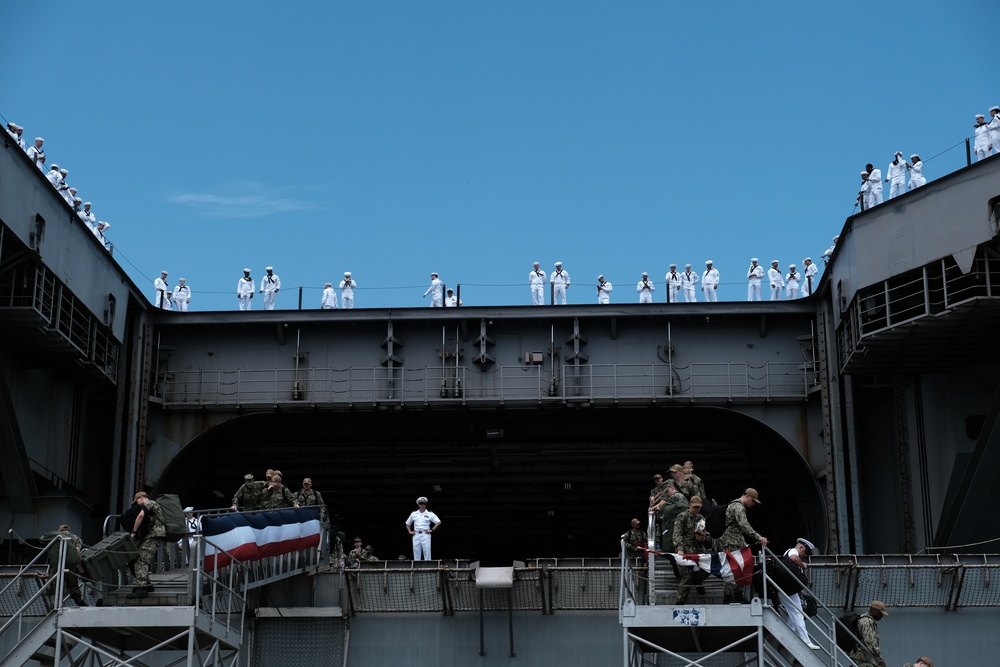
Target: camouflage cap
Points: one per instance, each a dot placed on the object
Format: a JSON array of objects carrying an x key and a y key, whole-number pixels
[
  {"x": 635, "y": 522},
  {"x": 357, "y": 539},
  {"x": 677, "y": 467},
  {"x": 926, "y": 661},
  {"x": 248, "y": 477},
  {"x": 657, "y": 476},
  {"x": 695, "y": 501},
  {"x": 307, "y": 480},
  {"x": 753, "y": 494},
  {"x": 879, "y": 605},
  {"x": 139, "y": 494}
]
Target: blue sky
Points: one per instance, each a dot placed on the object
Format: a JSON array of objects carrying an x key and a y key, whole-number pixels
[{"x": 393, "y": 139}]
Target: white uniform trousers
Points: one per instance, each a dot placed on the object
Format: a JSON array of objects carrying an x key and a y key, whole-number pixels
[
  {"x": 796, "y": 620},
  {"x": 422, "y": 545},
  {"x": 182, "y": 306},
  {"x": 753, "y": 290},
  {"x": 346, "y": 301},
  {"x": 897, "y": 187},
  {"x": 711, "y": 294},
  {"x": 538, "y": 295},
  {"x": 560, "y": 297},
  {"x": 776, "y": 292},
  {"x": 645, "y": 296},
  {"x": 246, "y": 303},
  {"x": 791, "y": 293},
  {"x": 689, "y": 294},
  {"x": 269, "y": 300}
]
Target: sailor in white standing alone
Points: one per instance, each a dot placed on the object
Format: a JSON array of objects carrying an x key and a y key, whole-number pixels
[
  {"x": 182, "y": 296},
  {"x": 710, "y": 282},
  {"x": 536, "y": 280},
  {"x": 645, "y": 288},
  {"x": 560, "y": 283},
  {"x": 809, "y": 277},
  {"x": 420, "y": 524},
  {"x": 244, "y": 290},
  {"x": 269, "y": 286},
  {"x": 347, "y": 286},
  {"x": 754, "y": 275}
]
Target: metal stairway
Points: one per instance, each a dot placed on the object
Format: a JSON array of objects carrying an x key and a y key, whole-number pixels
[{"x": 192, "y": 616}]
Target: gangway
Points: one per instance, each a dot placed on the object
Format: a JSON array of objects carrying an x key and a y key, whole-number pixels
[
  {"x": 696, "y": 633},
  {"x": 195, "y": 614}
]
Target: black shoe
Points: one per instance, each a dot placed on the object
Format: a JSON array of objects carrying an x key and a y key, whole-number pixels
[
  {"x": 78, "y": 599},
  {"x": 701, "y": 590},
  {"x": 150, "y": 588},
  {"x": 137, "y": 593},
  {"x": 727, "y": 599}
]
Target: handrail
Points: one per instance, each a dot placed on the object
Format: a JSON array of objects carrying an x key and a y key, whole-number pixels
[{"x": 829, "y": 630}]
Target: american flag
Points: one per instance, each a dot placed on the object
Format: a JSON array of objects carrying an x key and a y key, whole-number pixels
[{"x": 734, "y": 566}]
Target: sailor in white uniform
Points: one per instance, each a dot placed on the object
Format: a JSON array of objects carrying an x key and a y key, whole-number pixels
[
  {"x": 982, "y": 128},
  {"x": 896, "y": 175},
  {"x": 269, "y": 286},
  {"x": 645, "y": 288},
  {"x": 994, "y": 129},
  {"x": 329, "y": 298},
  {"x": 874, "y": 186},
  {"x": 792, "y": 283},
  {"x": 674, "y": 285},
  {"x": 436, "y": 290},
  {"x": 37, "y": 154},
  {"x": 160, "y": 296},
  {"x": 420, "y": 524},
  {"x": 536, "y": 280},
  {"x": 244, "y": 291},
  {"x": 777, "y": 282},
  {"x": 865, "y": 190},
  {"x": 560, "y": 283},
  {"x": 88, "y": 216},
  {"x": 182, "y": 296},
  {"x": 603, "y": 290},
  {"x": 829, "y": 251},
  {"x": 809, "y": 278},
  {"x": 916, "y": 169},
  {"x": 754, "y": 275},
  {"x": 450, "y": 300},
  {"x": 688, "y": 280},
  {"x": 710, "y": 282},
  {"x": 347, "y": 287},
  {"x": 99, "y": 230}
]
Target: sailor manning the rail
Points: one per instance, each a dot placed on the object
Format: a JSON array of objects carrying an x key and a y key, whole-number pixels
[
  {"x": 536, "y": 280},
  {"x": 244, "y": 290},
  {"x": 874, "y": 186},
  {"x": 754, "y": 274},
  {"x": 182, "y": 296},
  {"x": 269, "y": 286},
  {"x": 896, "y": 175},
  {"x": 674, "y": 284},
  {"x": 329, "y": 298},
  {"x": 688, "y": 280},
  {"x": 603, "y": 290},
  {"x": 792, "y": 283},
  {"x": 160, "y": 300},
  {"x": 777, "y": 282},
  {"x": 809, "y": 278},
  {"x": 560, "y": 283},
  {"x": 645, "y": 288},
  {"x": 436, "y": 290},
  {"x": 347, "y": 286},
  {"x": 710, "y": 282}
]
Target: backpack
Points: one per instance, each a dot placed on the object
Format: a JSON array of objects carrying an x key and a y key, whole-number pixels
[
  {"x": 715, "y": 520},
  {"x": 127, "y": 520},
  {"x": 173, "y": 516},
  {"x": 847, "y": 639}
]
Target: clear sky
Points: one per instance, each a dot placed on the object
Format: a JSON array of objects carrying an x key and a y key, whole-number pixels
[{"x": 393, "y": 139}]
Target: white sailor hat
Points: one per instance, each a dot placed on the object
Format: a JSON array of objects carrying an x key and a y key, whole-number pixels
[
  {"x": 686, "y": 266},
  {"x": 434, "y": 273},
  {"x": 164, "y": 272},
  {"x": 674, "y": 266},
  {"x": 76, "y": 198},
  {"x": 558, "y": 263},
  {"x": 914, "y": 156},
  {"x": 62, "y": 171},
  {"x": 753, "y": 259},
  {"x": 422, "y": 499},
  {"x": 181, "y": 280},
  {"x": 269, "y": 268},
  {"x": 107, "y": 225},
  {"x": 246, "y": 270},
  {"x": 55, "y": 166},
  {"x": 707, "y": 262},
  {"x": 808, "y": 545},
  {"x": 347, "y": 274},
  {"x": 808, "y": 259},
  {"x": 600, "y": 277},
  {"x": 979, "y": 115},
  {"x": 327, "y": 284},
  {"x": 899, "y": 153},
  {"x": 994, "y": 108},
  {"x": 451, "y": 291},
  {"x": 39, "y": 139},
  {"x": 864, "y": 173},
  {"x": 791, "y": 266},
  {"x": 535, "y": 263},
  {"x": 87, "y": 203},
  {"x": 188, "y": 509},
  {"x": 646, "y": 274},
  {"x": 774, "y": 261}
]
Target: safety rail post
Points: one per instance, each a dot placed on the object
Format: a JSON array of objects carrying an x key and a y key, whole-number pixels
[{"x": 274, "y": 386}]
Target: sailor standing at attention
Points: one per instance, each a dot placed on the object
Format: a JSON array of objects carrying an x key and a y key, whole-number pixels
[
  {"x": 754, "y": 274},
  {"x": 916, "y": 169},
  {"x": 645, "y": 289},
  {"x": 809, "y": 282},
  {"x": 269, "y": 286},
  {"x": 982, "y": 137},
  {"x": 994, "y": 129},
  {"x": 420, "y": 524},
  {"x": 160, "y": 284},
  {"x": 688, "y": 280},
  {"x": 777, "y": 282},
  {"x": 603, "y": 290},
  {"x": 792, "y": 283},
  {"x": 874, "y": 186},
  {"x": 347, "y": 286},
  {"x": 182, "y": 296},
  {"x": 560, "y": 283},
  {"x": 710, "y": 282},
  {"x": 536, "y": 280},
  {"x": 896, "y": 175},
  {"x": 244, "y": 290},
  {"x": 674, "y": 284}
]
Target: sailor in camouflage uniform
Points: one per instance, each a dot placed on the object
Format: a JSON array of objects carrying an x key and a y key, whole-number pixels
[
  {"x": 71, "y": 582},
  {"x": 675, "y": 503},
  {"x": 868, "y": 634},
  {"x": 151, "y": 542},
  {"x": 247, "y": 496},
  {"x": 635, "y": 540},
  {"x": 921, "y": 662},
  {"x": 276, "y": 495},
  {"x": 692, "y": 484},
  {"x": 690, "y": 537},
  {"x": 309, "y": 497},
  {"x": 359, "y": 554},
  {"x": 738, "y": 532}
]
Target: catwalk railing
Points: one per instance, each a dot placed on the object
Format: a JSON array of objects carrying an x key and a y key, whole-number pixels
[
  {"x": 926, "y": 292},
  {"x": 730, "y": 381}
]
